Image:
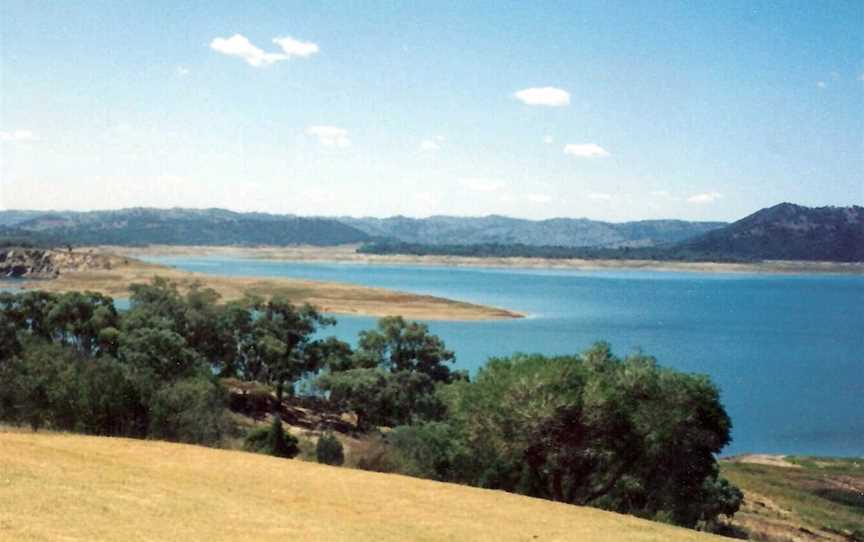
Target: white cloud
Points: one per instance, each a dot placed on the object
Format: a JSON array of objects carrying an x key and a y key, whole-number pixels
[
  {"x": 427, "y": 145},
  {"x": 707, "y": 197},
  {"x": 481, "y": 185},
  {"x": 548, "y": 140},
  {"x": 237, "y": 45},
  {"x": 293, "y": 47},
  {"x": 539, "y": 198},
  {"x": 182, "y": 71},
  {"x": 551, "y": 96},
  {"x": 18, "y": 135},
  {"x": 586, "y": 150},
  {"x": 821, "y": 84},
  {"x": 600, "y": 196},
  {"x": 330, "y": 136}
]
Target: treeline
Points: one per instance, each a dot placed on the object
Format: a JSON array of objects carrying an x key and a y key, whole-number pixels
[
  {"x": 497, "y": 250},
  {"x": 590, "y": 429}
]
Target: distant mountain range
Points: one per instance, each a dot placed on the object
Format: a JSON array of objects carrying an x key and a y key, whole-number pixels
[
  {"x": 176, "y": 227},
  {"x": 783, "y": 232},
  {"x": 217, "y": 226},
  {"x": 561, "y": 232}
]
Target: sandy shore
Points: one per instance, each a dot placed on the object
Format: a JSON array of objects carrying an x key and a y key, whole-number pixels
[
  {"x": 348, "y": 254},
  {"x": 329, "y": 297}
]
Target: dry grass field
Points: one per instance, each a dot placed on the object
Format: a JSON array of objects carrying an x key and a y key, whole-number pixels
[{"x": 71, "y": 487}]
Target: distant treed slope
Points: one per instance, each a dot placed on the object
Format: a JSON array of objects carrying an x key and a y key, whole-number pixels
[
  {"x": 562, "y": 232},
  {"x": 183, "y": 227},
  {"x": 788, "y": 232}
]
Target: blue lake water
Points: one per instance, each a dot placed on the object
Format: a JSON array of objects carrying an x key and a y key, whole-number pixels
[{"x": 786, "y": 351}]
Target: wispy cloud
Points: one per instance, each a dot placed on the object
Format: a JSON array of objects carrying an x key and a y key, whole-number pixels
[
  {"x": 182, "y": 71},
  {"x": 293, "y": 47},
  {"x": 239, "y": 46},
  {"x": 18, "y": 135},
  {"x": 548, "y": 140},
  {"x": 330, "y": 136},
  {"x": 427, "y": 145},
  {"x": 586, "y": 150},
  {"x": 702, "y": 199},
  {"x": 482, "y": 185},
  {"x": 821, "y": 84},
  {"x": 549, "y": 96}
]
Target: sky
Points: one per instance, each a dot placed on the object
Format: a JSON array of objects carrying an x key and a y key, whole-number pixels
[{"x": 600, "y": 109}]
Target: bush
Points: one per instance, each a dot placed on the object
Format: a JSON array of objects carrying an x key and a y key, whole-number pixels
[
  {"x": 272, "y": 440},
  {"x": 190, "y": 410},
  {"x": 329, "y": 450}
]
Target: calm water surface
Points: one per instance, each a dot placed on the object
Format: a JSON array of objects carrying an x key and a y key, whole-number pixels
[{"x": 786, "y": 351}]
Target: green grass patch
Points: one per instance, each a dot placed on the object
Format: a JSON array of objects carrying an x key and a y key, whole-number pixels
[{"x": 824, "y": 493}]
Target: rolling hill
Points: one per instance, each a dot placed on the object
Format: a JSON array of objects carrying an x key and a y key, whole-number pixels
[
  {"x": 502, "y": 230},
  {"x": 72, "y": 487},
  {"x": 788, "y": 232},
  {"x": 221, "y": 227},
  {"x": 178, "y": 227}
]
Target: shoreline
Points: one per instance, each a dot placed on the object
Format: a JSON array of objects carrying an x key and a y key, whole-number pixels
[
  {"x": 329, "y": 297},
  {"x": 348, "y": 254}
]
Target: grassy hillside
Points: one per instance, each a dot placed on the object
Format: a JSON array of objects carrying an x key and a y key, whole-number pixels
[
  {"x": 73, "y": 487},
  {"x": 799, "y": 498}
]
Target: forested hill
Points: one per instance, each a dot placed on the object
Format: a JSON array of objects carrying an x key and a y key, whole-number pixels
[
  {"x": 502, "y": 230},
  {"x": 788, "y": 232},
  {"x": 783, "y": 232},
  {"x": 221, "y": 227},
  {"x": 175, "y": 227}
]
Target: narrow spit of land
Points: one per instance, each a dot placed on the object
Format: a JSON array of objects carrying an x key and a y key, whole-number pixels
[
  {"x": 114, "y": 277},
  {"x": 349, "y": 254}
]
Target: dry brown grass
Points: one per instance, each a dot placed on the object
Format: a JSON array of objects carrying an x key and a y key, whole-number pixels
[
  {"x": 330, "y": 297},
  {"x": 71, "y": 487}
]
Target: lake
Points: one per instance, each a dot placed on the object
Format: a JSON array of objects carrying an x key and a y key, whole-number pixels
[{"x": 787, "y": 351}]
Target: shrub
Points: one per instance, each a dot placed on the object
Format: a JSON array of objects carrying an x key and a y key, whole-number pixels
[
  {"x": 329, "y": 450},
  {"x": 190, "y": 410},
  {"x": 272, "y": 440}
]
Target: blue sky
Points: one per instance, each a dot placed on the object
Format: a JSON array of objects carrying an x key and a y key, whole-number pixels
[{"x": 608, "y": 110}]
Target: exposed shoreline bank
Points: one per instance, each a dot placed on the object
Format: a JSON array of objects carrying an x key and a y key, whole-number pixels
[
  {"x": 120, "y": 271},
  {"x": 348, "y": 254}
]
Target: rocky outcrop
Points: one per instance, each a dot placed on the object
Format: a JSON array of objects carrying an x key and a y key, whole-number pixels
[{"x": 32, "y": 263}]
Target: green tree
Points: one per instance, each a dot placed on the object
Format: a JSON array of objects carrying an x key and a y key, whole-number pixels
[
  {"x": 398, "y": 345},
  {"x": 160, "y": 351},
  {"x": 283, "y": 346},
  {"x": 595, "y": 429},
  {"x": 78, "y": 318},
  {"x": 191, "y": 410},
  {"x": 9, "y": 344}
]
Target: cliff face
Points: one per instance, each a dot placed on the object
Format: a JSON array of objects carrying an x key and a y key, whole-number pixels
[{"x": 34, "y": 263}]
